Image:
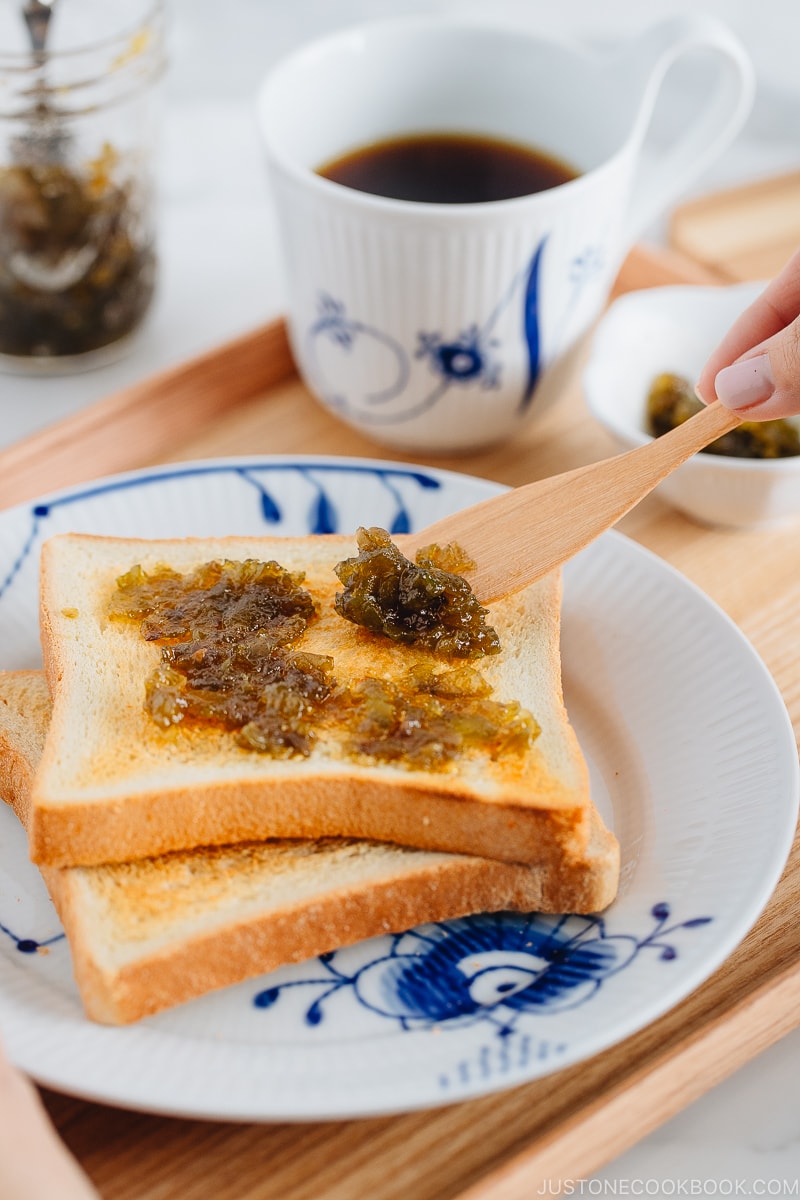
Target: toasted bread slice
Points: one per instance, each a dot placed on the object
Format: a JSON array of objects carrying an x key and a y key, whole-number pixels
[
  {"x": 150, "y": 934},
  {"x": 113, "y": 786}
]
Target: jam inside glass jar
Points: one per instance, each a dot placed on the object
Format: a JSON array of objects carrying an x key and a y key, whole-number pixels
[{"x": 77, "y": 139}]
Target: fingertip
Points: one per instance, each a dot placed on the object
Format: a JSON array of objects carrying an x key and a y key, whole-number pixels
[
  {"x": 746, "y": 385},
  {"x": 780, "y": 404}
]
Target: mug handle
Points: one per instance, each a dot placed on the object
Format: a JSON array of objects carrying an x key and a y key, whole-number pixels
[{"x": 648, "y": 58}]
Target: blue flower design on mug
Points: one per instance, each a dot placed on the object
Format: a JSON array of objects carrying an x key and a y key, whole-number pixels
[
  {"x": 465, "y": 358},
  {"x": 471, "y": 357}
]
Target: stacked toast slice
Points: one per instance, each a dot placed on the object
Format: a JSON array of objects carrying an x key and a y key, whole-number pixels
[{"x": 182, "y": 861}]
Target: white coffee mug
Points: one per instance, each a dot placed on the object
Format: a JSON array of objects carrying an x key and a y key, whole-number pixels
[{"x": 441, "y": 328}]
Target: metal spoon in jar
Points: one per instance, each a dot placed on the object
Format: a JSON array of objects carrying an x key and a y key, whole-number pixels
[
  {"x": 517, "y": 537},
  {"x": 40, "y": 154},
  {"x": 45, "y": 139},
  {"x": 36, "y": 15}
]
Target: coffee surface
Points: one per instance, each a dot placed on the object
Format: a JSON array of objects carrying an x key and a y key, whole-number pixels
[{"x": 448, "y": 169}]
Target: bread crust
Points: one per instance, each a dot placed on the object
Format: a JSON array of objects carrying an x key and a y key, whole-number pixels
[{"x": 156, "y": 822}]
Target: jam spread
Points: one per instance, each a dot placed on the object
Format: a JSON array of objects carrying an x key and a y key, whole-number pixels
[
  {"x": 232, "y": 635},
  {"x": 227, "y": 633},
  {"x": 427, "y": 719},
  {"x": 415, "y": 602}
]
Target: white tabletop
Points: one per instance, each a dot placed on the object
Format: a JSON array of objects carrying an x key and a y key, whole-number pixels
[{"x": 220, "y": 276}]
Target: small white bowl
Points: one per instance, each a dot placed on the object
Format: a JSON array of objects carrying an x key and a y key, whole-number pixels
[{"x": 675, "y": 329}]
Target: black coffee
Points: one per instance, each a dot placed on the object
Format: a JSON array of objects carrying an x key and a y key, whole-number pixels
[{"x": 447, "y": 168}]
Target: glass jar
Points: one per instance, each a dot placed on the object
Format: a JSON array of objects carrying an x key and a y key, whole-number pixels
[{"x": 78, "y": 125}]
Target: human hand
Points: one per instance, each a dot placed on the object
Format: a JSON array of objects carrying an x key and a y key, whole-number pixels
[
  {"x": 34, "y": 1164},
  {"x": 755, "y": 370}
]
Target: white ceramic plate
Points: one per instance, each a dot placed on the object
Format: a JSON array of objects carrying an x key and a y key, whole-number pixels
[{"x": 692, "y": 759}]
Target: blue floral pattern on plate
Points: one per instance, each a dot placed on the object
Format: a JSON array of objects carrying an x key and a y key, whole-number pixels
[
  {"x": 494, "y": 968},
  {"x": 505, "y": 971},
  {"x": 321, "y": 515}
]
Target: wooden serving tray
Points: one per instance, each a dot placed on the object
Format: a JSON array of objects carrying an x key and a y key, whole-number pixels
[{"x": 246, "y": 398}]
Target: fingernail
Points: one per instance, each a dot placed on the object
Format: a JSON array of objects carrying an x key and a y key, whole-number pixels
[{"x": 745, "y": 384}]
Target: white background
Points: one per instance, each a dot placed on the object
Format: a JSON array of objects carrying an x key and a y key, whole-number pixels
[{"x": 220, "y": 276}]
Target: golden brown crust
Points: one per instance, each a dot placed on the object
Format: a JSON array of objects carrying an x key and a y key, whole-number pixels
[{"x": 309, "y": 807}]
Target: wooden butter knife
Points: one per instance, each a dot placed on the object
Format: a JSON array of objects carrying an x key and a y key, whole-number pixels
[{"x": 522, "y": 534}]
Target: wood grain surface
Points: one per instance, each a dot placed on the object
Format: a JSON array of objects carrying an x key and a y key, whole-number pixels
[
  {"x": 499, "y": 1147},
  {"x": 743, "y": 232}
]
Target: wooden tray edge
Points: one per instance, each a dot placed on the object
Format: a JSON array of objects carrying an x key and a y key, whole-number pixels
[{"x": 133, "y": 427}]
